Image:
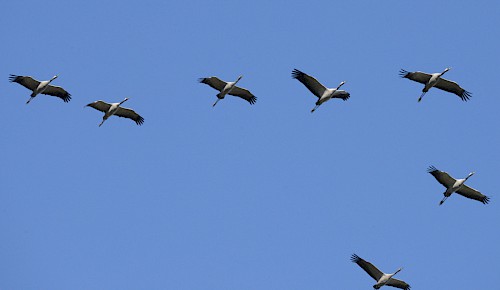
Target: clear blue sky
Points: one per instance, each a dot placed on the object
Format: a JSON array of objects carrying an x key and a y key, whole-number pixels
[{"x": 268, "y": 196}]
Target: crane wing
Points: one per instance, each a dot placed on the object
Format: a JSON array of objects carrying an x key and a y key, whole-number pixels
[
  {"x": 129, "y": 113},
  {"x": 27, "y": 82},
  {"x": 473, "y": 194},
  {"x": 442, "y": 177},
  {"x": 57, "y": 92},
  {"x": 214, "y": 82},
  {"x": 398, "y": 284},
  {"x": 244, "y": 94},
  {"x": 453, "y": 87},
  {"x": 100, "y": 106},
  {"x": 417, "y": 76},
  {"x": 311, "y": 83},
  {"x": 341, "y": 95},
  {"x": 367, "y": 266}
]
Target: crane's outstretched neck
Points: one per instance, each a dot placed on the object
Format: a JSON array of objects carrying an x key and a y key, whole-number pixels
[
  {"x": 470, "y": 174},
  {"x": 445, "y": 70},
  {"x": 124, "y": 100}
]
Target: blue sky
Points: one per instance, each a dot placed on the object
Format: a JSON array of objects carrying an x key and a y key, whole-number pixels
[{"x": 268, "y": 196}]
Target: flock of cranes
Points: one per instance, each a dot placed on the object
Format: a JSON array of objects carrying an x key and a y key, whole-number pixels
[{"x": 323, "y": 94}]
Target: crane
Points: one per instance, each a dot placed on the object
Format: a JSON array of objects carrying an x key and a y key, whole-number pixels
[
  {"x": 42, "y": 87},
  {"x": 435, "y": 80},
  {"x": 324, "y": 94},
  {"x": 456, "y": 185},
  {"x": 381, "y": 278},
  {"x": 115, "y": 109},
  {"x": 228, "y": 88}
]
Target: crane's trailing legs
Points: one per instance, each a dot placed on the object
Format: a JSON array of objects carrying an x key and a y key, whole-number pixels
[
  {"x": 444, "y": 198},
  {"x": 423, "y": 93},
  {"x": 314, "y": 109},
  {"x": 216, "y": 102},
  {"x": 103, "y": 119},
  {"x": 29, "y": 100}
]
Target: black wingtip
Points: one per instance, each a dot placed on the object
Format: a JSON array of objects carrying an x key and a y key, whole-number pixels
[
  {"x": 12, "y": 78},
  {"x": 297, "y": 73},
  {"x": 66, "y": 98},
  {"x": 465, "y": 96},
  {"x": 252, "y": 100},
  {"x": 403, "y": 73},
  {"x": 139, "y": 120},
  {"x": 202, "y": 80},
  {"x": 431, "y": 169},
  {"x": 355, "y": 258},
  {"x": 486, "y": 200}
]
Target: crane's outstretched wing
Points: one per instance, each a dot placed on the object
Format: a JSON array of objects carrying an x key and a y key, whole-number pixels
[
  {"x": 417, "y": 76},
  {"x": 244, "y": 94},
  {"x": 57, "y": 92},
  {"x": 473, "y": 194},
  {"x": 214, "y": 82},
  {"x": 453, "y": 87},
  {"x": 341, "y": 94},
  {"x": 129, "y": 113},
  {"x": 100, "y": 106},
  {"x": 398, "y": 284},
  {"x": 442, "y": 177},
  {"x": 27, "y": 82},
  {"x": 367, "y": 266},
  {"x": 311, "y": 83}
]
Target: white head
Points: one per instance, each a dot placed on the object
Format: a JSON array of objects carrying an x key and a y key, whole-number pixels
[
  {"x": 54, "y": 77},
  {"x": 124, "y": 100},
  {"x": 445, "y": 70},
  {"x": 470, "y": 174},
  {"x": 398, "y": 271},
  {"x": 239, "y": 78}
]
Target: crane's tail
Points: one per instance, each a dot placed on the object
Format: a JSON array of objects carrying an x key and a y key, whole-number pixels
[{"x": 314, "y": 109}]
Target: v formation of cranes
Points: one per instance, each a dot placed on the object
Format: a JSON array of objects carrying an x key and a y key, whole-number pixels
[{"x": 323, "y": 94}]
